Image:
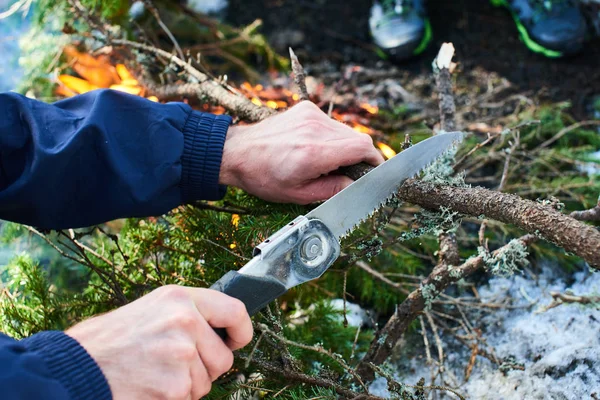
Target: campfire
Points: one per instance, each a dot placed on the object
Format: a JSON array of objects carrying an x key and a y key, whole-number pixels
[{"x": 99, "y": 72}]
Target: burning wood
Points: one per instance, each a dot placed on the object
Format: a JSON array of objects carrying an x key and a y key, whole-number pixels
[{"x": 98, "y": 72}]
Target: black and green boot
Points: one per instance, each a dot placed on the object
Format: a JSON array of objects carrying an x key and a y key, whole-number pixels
[
  {"x": 554, "y": 28},
  {"x": 400, "y": 27}
]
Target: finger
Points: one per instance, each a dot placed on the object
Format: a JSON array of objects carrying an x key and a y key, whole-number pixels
[
  {"x": 322, "y": 188},
  {"x": 201, "y": 382},
  {"x": 214, "y": 353},
  {"x": 223, "y": 311},
  {"x": 335, "y": 154}
]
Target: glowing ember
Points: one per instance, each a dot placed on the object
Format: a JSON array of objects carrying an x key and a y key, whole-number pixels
[
  {"x": 361, "y": 128},
  {"x": 387, "y": 151},
  {"x": 369, "y": 108}
]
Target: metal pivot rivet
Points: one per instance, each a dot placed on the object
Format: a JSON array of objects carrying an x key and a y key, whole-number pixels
[{"x": 312, "y": 248}]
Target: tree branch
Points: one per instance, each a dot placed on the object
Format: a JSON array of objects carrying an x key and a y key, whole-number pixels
[
  {"x": 535, "y": 218},
  {"x": 449, "y": 254},
  {"x": 299, "y": 76},
  {"x": 593, "y": 214},
  {"x": 415, "y": 303},
  {"x": 295, "y": 376},
  {"x": 205, "y": 88}
]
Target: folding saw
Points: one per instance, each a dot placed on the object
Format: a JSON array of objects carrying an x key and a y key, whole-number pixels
[{"x": 306, "y": 247}]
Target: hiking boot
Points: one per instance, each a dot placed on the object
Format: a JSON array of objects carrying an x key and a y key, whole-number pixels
[
  {"x": 554, "y": 28},
  {"x": 400, "y": 27}
]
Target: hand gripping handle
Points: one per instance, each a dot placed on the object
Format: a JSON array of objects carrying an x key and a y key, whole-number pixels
[
  {"x": 297, "y": 253},
  {"x": 254, "y": 292}
]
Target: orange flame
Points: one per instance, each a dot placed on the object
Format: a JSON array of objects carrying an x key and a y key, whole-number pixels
[
  {"x": 361, "y": 128},
  {"x": 369, "y": 108},
  {"x": 387, "y": 151},
  {"x": 97, "y": 72},
  {"x": 76, "y": 85}
]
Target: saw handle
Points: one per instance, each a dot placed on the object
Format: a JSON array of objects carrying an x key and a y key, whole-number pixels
[
  {"x": 253, "y": 291},
  {"x": 356, "y": 171}
]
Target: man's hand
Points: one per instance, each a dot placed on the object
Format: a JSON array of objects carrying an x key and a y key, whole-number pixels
[
  {"x": 162, "y": 346},
  {"x": 286, "y": 158}
]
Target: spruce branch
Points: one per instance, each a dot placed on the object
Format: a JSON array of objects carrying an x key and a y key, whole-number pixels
[
  {"x": 317, "y": 349},
  {"x": 300, "y": 377},
  {"x": 427, "y": 196}
]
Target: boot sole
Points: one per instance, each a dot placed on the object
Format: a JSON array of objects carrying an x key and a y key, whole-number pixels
[{"x": 524, "y": 35}]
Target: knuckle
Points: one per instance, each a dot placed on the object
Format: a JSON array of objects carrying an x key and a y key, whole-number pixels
[
  {"x": 185, "y": 354},
  {"x": 187, "y": 320},
  {"x": 307, "y": 106},
  {"x": 238, "y": 309},
  {"x": 173, "y": 292},
  {"x": 366, "y": 139},
  {"x": 179, "y": 389},
  {"x": 220, "y": 364}
]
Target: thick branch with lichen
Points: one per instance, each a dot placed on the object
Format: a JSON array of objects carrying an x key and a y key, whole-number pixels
[{"x": 572, "y": 235}]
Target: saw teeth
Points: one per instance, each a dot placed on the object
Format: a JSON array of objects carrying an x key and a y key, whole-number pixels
[{"x": 384, "y": 202}]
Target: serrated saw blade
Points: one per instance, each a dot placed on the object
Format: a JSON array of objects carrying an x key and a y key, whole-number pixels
[{"x": 344, "y": 211}]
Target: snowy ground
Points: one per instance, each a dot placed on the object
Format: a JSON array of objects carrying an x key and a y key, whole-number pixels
[{"x": 559, "y": 348}]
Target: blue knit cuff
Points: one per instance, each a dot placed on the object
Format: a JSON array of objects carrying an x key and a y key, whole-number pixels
[
  {"x": 204, "y": 138},
  {"x": 70, "y": 364}
]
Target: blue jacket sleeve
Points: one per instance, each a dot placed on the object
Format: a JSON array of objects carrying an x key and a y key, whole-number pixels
[
  {"x": 104, "y": 155},
  {"x": 49, "y": 366},
  {"x": 80, "y": 162}
]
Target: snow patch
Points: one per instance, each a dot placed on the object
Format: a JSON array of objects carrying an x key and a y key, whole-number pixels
[{"x": 559, "y": 348}]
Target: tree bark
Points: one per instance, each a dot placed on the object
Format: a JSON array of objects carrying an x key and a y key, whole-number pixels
[{"x": 535, "y": 218}]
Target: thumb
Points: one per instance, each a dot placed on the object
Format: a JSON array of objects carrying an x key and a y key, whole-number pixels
[{"x": 324, "y": 187}]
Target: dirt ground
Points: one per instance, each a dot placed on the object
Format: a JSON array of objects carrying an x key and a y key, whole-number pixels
[{"x": 485, "y": 37}]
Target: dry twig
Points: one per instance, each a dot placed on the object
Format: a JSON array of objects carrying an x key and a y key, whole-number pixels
[{"x": 299, "y": 76}]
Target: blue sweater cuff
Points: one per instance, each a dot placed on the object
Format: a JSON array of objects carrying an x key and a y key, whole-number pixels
[
  {"x": 70, "y": 364},
  {"x": 204, "y": 137}
]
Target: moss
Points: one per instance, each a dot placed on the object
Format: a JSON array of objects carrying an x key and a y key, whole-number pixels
[
  {"x": 507, "y": 261},
  {"x": 441, "y": 171},
  {"x": 442, "y": 221},
  {"x": 454, "y": 272},
  {"x": 429, "y": 293}
]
